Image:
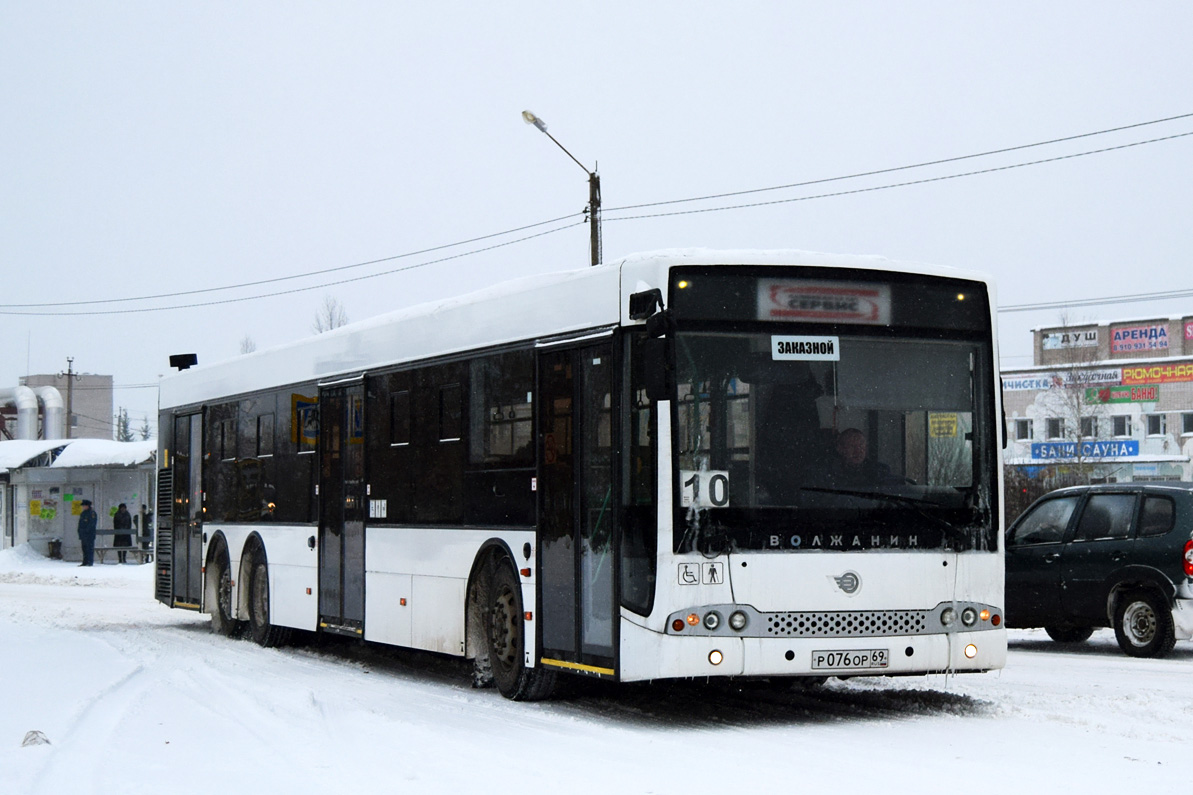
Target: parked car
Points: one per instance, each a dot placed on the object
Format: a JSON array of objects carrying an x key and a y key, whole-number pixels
[{"x": 1117, "y": 555}]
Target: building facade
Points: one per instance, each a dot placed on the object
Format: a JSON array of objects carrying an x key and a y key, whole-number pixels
[{"x": 1104, "y": 402}]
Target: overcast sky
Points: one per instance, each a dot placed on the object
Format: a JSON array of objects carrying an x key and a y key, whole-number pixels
[{"x": 165, "y": 147}]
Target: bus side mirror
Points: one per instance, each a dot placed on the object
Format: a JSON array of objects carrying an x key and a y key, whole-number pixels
[
  {"x": 644, "y": 304},
  {"x": 656, "y": 374}
]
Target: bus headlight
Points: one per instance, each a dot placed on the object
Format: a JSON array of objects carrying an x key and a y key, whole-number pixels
[
  {"x": 948, "y": 616},
  {"x": 738, "y": 620},
  {"x": 712, "y": 620},
  {"x": 969, "y": 616}
]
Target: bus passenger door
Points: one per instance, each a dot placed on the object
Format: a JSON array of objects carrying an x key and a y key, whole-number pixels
[
  {"x": 187, "y": 512},
  {"x": 577, "y": 608},
  {"x": 341, "y": 510}
]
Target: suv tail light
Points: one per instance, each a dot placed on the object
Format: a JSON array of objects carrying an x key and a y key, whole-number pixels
[{"x": 1189, "y": 558}]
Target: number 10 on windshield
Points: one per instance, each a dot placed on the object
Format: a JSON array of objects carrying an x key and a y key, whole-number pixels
[{"x": 704, "y": 489}]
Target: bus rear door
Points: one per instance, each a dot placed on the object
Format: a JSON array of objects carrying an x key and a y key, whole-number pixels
[{"x": 341, "y": 509}]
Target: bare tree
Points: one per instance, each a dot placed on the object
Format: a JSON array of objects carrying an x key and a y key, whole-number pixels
[
  {"x": 330, "y": 315},
  {"x": 247, "y": 344}
]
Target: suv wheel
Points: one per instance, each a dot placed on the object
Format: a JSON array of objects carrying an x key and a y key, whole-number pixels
[{"x": 1143, "y": 625}]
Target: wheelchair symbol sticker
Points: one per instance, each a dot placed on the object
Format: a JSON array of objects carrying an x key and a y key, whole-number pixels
[{"x": 689, "y": 574}]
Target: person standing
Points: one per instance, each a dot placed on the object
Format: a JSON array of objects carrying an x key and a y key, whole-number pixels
[
  {"x": 88, "y": 521},
  {"x": 123, "y": 520}
]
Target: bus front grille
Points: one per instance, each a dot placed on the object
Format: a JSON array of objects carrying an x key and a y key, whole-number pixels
[{"x": 845, "y": 624}]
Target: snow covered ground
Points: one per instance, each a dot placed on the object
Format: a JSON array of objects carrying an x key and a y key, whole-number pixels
[{"x": 134, "y": 697}]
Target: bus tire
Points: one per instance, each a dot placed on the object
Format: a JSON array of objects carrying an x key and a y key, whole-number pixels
[
  {"x": 506, "y": 638},
  {"x": 264, "y": 633},
  {"x": 477, "y": 623},
  {"x": 1143, "y": 625},
  {"x": 219, "y": 583}
]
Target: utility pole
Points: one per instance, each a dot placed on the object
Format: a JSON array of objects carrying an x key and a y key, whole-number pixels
[
  {"x": 71, "y": 376},
  {"x": 593, "y": 210}
]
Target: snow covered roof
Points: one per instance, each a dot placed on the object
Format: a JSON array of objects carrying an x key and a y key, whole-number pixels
[
  {"x": 17, "y": 452},
  {"x": 104, "y": 452},
  {"x": 76, "y": 452}
]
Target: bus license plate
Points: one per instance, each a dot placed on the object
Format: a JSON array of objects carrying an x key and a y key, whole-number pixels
[{"x": 851, "y": 660}]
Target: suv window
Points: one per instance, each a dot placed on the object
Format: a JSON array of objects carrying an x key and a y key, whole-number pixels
[
  {"x": 1157, "y": 517},
  {"x": 1045, "y": 524},
  {"x": 1106, "y": 516}
]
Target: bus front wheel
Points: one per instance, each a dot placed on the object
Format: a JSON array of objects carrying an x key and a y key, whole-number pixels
[{"x": 506, "y": 638}]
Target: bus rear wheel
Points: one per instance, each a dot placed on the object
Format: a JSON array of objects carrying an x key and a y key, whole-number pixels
[
  {"x": 219, "y": 584},
  {"x": 263, "y": 632},
  {"x": 506, "y": 637}
]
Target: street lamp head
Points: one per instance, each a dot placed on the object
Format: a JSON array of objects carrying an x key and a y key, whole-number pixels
[{"x": 530, "y": 118}]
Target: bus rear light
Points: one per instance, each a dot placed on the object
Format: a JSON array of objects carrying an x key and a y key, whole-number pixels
[
  {"x": 693, "y": 619},
  {"x": 1189, "y": 558},
  {"x": 715, "y": 657},
  {"x": 678, "y": 625},
  {"x": 971, "y": 651}
]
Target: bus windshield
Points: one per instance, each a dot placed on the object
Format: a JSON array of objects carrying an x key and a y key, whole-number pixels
[{"x": 834, "y": 442}]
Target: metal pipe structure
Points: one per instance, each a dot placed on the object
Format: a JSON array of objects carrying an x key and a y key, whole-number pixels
[
  {"x": 25, "y": 400},
  {"x": 53, "y": 422}
]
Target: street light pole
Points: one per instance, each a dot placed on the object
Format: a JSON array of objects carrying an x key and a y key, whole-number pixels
[{"x": 594, "y": 189}]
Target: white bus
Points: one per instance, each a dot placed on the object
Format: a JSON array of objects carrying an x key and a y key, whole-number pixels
[{"x": 681, "y": 464}]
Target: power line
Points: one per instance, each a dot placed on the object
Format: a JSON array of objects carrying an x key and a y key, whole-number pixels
[
  {"x": 903, "y": 168},
  {"x": 890, "y": 186},
  {"x": 1079, "y": 302},
  {"x": 76, "y": 313},
  {"x": 259, "y": 282},
  {"x": 4, "y": 308}
]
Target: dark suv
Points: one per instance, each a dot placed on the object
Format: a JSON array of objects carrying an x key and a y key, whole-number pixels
[{"x": 1118, "y": 555}]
